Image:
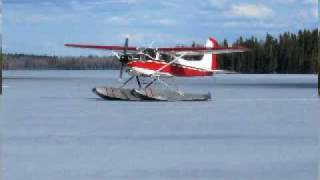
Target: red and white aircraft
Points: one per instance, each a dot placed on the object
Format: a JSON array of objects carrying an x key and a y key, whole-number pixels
[{"x": 166, "y": 62}]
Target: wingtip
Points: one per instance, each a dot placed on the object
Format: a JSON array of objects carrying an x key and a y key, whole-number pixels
[{"x": 68, "y": 44}]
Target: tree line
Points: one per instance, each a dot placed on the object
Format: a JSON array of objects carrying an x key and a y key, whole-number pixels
[
  {"x": 30, "y": 62},
  {"x": 287, "y": 53}
]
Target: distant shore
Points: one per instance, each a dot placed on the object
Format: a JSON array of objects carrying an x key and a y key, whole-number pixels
[{"x": 42, "y": 62}]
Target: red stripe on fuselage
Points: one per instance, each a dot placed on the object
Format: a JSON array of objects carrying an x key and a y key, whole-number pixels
[{"x": 173, "y": 69}]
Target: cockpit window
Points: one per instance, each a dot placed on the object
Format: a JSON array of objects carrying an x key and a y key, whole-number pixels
[
  {"x": 151, "y": 52},
  {"x": 135, "y": 57},
  {"x": 193, "y": 57},
  {"x": 166, "y": 57}
]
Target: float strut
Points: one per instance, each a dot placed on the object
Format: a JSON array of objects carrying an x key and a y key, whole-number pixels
[
  {"x": 150, "y": 83},
  {"x": 138, "y": 80},
  {"x": 125, "y": 83}
]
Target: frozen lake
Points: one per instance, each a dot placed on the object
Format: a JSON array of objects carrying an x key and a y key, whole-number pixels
[{"x": 259, "y": 127}]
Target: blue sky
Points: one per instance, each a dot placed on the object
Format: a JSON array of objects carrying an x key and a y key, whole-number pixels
[{"x": 43, "y": 26}]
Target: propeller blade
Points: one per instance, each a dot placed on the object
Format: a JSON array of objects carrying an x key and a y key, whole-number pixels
[
  {"x": 126, "y": 45},
  {"x": 121, "y": 71},
  {"x": 124, "y": 58}
]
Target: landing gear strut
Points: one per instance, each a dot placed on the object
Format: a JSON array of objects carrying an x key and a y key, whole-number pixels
[
  {"x": 138, "y": 81},
  {"x": 127, "y": 81}
]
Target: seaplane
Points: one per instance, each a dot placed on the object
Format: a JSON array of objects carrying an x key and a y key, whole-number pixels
[{"x": 149, "y": 65}]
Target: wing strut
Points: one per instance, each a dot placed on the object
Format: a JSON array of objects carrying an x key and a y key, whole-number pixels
[{"x": 171, "y": 62}]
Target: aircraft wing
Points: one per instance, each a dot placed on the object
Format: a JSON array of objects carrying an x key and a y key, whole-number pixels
[
  {"x": 99, "y": 47},
  {"x": 216, "y": 50}
]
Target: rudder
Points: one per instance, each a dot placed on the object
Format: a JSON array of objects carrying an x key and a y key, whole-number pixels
[{"x": 212, "y": 43}]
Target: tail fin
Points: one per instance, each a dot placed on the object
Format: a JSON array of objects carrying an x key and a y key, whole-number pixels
[{"x": 212, "y": 43}]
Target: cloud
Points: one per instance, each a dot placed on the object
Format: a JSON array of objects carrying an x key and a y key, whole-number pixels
[
  {"x": 155, "y": 39},
  {"x": 250, "y": 11},
  {"x": 156, "y": 20},
  {"x": 217, "y": 3},
  {"x": 310, "y": 11},
  {"x": 170, "y": 4},
  {"x": 283, "y": 1},
  {"x": 266, "y": 25},
  {"x": 310, "y": 2},
  {"x": 37, "y": 18},
  {"x": 20, "y": 18},
  {"x": 80, "y": 5},
  {"x": 308, "y": 14},
  {"x": 120, "y": 20},
  {"x": 128, "y": 1},
  {"x": 166, "y": 22},
  {"x": 26, "y": 17},
  {"x": 138, "y": 38}
]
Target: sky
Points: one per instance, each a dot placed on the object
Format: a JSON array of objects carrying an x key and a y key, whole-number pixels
[{"x": 44, "y": 26}]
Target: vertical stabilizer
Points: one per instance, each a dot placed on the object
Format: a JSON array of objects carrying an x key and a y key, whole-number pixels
[{"x": 212, "y": 43}]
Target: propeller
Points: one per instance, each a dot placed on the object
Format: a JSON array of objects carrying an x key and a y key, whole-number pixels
[{"x": 124, "y": 59}]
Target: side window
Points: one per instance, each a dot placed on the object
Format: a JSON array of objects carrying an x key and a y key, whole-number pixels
[
  {"x": 138, "y": 57},
  {"x": 135, "y": 57},
  {"x": 166, "y": 57},
  {"x": 193, "y": 57},
  {"x": 142, "y": 57}
]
